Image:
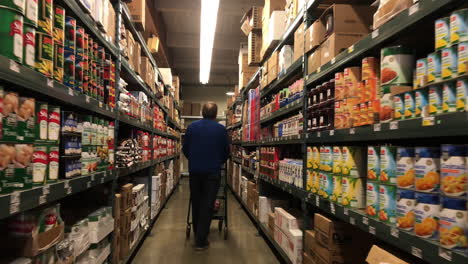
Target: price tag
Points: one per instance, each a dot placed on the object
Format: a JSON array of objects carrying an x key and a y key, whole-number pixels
[
  {"x": 88, "y": 185},
  {"x": 50, "y": 83},
  {"x": 46, "y": 190},
  {"x": 365, "y": 220},
  {"x": 445, "y": 254},
  {"x": 15, "y": 197},
  {"x": 428, "y": 121},
  {"x": 394, "y": 125},
  {"x": 318, "y": 69},
  {"x": 333, "y": 60},
  {"x": 100, "y": 104},
  {"x": 394, "y": 232},
  {"x": 87, "y": 99},
  {"x": 413, "y": 9},
  {"x": 319, "y": 134},
  {"x": 69, "y": 191},
  {"x": 417, "y": 252},
  {"x": 102, "y": 180},
  {"x": 346, "y": 211},
  {"x": 317, "y": 201},
  {"x": 377, "y": 127},
  {"x": 332, "y": 132},
  {"x": 42, "y": 199},
  {"x": 112, "y": 110},
  {"x": 14, "y": 208},
  {"x": 351, "y": 49},
  {"x": 352, "y": 131},
  {"x": 66, "y": 185},
  {"x": 332, "y": 208},
  {"x": 14, "y": 66},
  {"x": 352, "y": 220},
  {"x": 105, "y": 173},
  {"x": 375, "y": 34},
  {"x": 372, "y": 230}
]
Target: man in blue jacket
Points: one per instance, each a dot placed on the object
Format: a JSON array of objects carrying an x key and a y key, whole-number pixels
[{"x": 206, "y": 147}]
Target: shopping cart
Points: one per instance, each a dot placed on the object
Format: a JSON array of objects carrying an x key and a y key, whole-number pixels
[{"x": 221, "y": 214}]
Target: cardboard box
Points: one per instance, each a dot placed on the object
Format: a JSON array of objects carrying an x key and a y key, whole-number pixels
[
  {"x": 254, "y": 46},
  {"x": 125, "y": 221},
  {"x": 252, "y": 20},
  {"x": 273, "y": 67},
  {"x": 144, "y": 69},
  {"x": 337, "y": 43},
  {"x": 273, "y": 31},
  {"x": 117, "y": 205},
  {"x": 313, "y": 61},
  {"x": 308, "y": 259},
  {"x": 315, "y": 35},
  {"x": 137, "y": 58},
  {"x": 285, "y": 220},
  {"x": 299, "y": 42},
  {"x": 110, "y": 23},
  {"x": 349, "y": 18},
  {"x": 378, "y": 255},
  {"x": 270, "y": 6},
  {"x": 271, "y": 220},
  {"x": 126, "y": 192},
  {"x": 124, "y": 245},
  {"x": 187, "y": 109},
  {"x": 196, "y": 109},
  {"x": 35, "y": 244},
  {"x": 137, "y": 10},
  {"x": 331, "y": 234}
]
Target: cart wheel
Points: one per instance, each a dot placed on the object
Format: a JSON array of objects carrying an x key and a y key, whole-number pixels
[
  {"x": 220, "y": 225},
  {"x": 187, "y": 232},
  {"x": 225, "y": 233}
]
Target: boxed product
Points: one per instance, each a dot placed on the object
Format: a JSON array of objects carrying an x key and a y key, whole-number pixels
[
  {"x": 254, "y": 47},
  {"x": 313, "y": 61},
  {"x": 276, "y": 27},
  {"x": 389, "y": 9},
  {"x": 252, "y": 20},
  {"x": 377, "y": 255},
  {"x": 285, "y": 220},
  {"x": 330, "y": 233},
  {"x": 342, "y": 18},
  {"x": 315, "y": 35},
  {"x": 137, "y": 10},
  {"x": 299, "y": 42},
  {"x": 126, "y": 192},
  {"x": 336, "y": 43}
]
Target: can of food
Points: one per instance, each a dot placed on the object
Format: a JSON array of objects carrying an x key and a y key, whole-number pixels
[
  {"x": 31, "y": 14},
  {"x": 69, "y": 68},
  {"x": 449, "y": 62},
  {"x": 426, "y": 212},
  {"x": 337, "y": 160},
  {"x": 422, "y": 102},
  {"x": 434, "y": 67},
  {"x": 46, "y": 17},
  {"x": 336, "y": 196},
  {"x": 442, "y": 33},
  {"x": 454, "y": 181},
  {"x": 387, "y": 203},
  {"x": 396, "y": 66},
  {"x": 462, "y": 94},
  {"x": 26, "y": 119},
  {"x": 410, "y": 105},
  {"x": 29, "y": 42},
  {"x": 399, "y": 106},
  {"x": 453, "y": 224},
  {"x": 40, "y": 162},
  {"x": 372, "y": 198},
  {"x": 79, "y": 73},
  {"x": 459, "y": 26},
  {"x": 53, "y": 152},
  {"x": 449, "y": 97},
  {"x": 44, "y": 54},
  {"x": 373, "y": 162},
  {"x": 70, "y": 33},
  {"x": 427, "y": 169},
  {"x": 405, "y": 209},
  {"x": 18, "y": 6},
  {"x": 58, "y": 62},
  {"x": 59, "y": 24},
  {"x": 388, "y": 164},
  {"x": 79, "y": 39},
  {"x": 421, "y": 73},
  {"x": 370, "y": 66},
  {"x": 11, "y": 34},
  {"x": 435, "y": 100},
  {"x": 405, "y": 167}
]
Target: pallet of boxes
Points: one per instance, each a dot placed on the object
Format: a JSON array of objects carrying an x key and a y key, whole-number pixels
[
  {"x": 139, "y": 213},
  {"x": 122, "y": 216}
]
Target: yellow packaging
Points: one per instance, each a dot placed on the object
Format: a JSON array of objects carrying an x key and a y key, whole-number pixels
[
  {"x": 449, "y": 62},
  {"x": 337, "y": 190},
  {"x": 462, "y": 94},
  {"x": 354, "y": 162},
  {"x": 442, "y": 32},
  {"x": 353, "y": 192},
  {"x": 315, "y": 158},
  {"x": 462, "y": 58},
  {"x": 337, "y": 160}
]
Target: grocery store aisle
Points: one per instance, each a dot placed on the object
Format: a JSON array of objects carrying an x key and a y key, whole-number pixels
[{"x": 167, "y": 243}]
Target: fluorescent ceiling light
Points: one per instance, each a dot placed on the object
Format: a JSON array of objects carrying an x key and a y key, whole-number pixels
[
  {"x": 230, "y": 93},
  {"x": 208, "y": 19}
]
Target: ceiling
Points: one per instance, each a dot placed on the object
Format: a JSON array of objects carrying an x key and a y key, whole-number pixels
[{"x": 181, "y": 19}]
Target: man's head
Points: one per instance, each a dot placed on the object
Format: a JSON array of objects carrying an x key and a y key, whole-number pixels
[{"x": 210, "y": 110}]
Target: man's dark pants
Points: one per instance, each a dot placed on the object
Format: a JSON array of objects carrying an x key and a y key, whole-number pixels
[{"x": 203, "y": 191}]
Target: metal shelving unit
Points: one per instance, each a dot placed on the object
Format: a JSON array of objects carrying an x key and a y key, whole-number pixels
[
  {"x": 285, "y": 110},
  {"x": 447, "y": 126}
]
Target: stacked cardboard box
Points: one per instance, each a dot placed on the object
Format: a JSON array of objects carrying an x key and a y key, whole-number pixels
[
  {"x": 155, "y": 195},
  {"x": 335, "y": 242},
  {"x": 245, "y": 71},
  {"x": 275, "y": 28},
  {"x": 137, "y": 11},
  {"x": 252, "y": 197},
  {"x": 288, "y": 235},
  {"x": 125, "y": 219},
  {"x": 267, "y": 205},
  {"x": 350, "y": 24}
]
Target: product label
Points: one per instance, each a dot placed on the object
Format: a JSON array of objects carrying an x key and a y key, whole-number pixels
[
  {"x": 459, "y": 26},
  {"x": 422, "y": 108},
  {"x": 54, "y": 123},
  {"x": 353, "y": 162},
  {"x": 454, "y": 181},
  {"x": 10, "y": 110},
  {"x": 435, "y": 100},
  {"x": 40, "y": 162},
  {"x": 26, "y": 119},
  {"x": 399, "y": 105},
  {"x": 434, "y": 67},
  {"x": 29, "y": 48},
  {"x": 356, "y": 193},
  {"x": 427, "y": 171},
  {"x": 462, "y": 94},
  {"x": 337, "y": 160},
  {"x": 373, "y": 162},
  {"x": 442, "y": 32},
  {"x": 337, "y": 190},
  {"x": 405, "y": 213},
  {"x": 421, "y": 73},
  {"x": 16, "y": 31},
  {"x": 462, "y": 58},
  {"x": 53, "y": 163},
  {"x": 449, "y": 62},
  {"x": 449, "y": 95},
  {"x": 426, "y": 220},
  {"x": 405, "y": 172},
  {"x": 397, "y": 69},
  {"x": 326, "y": 159},
  {"x": 31, "y": 11},
  {"x": 372, "y": 199},
  {"x": 410, "y": 105},
  {"x": 453, "y": 229},
  {"x": 387, "y": 203}
]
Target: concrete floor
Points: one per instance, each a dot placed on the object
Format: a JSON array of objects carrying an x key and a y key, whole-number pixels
[{"x": 167, "y": 243}]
